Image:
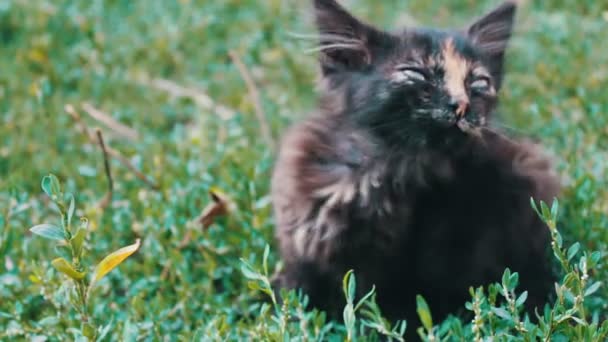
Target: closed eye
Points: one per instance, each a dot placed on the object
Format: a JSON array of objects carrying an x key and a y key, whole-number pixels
[
  {"x": 412, "y": 73},
  {"x": 480, "y": 84}
]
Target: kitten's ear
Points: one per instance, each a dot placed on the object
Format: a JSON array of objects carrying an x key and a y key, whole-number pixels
[
  {"x": 491, "y": 34},
  {"x": 345, "y": 42}
]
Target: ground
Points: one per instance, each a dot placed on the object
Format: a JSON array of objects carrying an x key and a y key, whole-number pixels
[{"x": 208, "y": 87}]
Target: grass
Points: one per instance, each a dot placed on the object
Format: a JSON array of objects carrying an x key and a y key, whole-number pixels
[{"x": 108, "y": 53}]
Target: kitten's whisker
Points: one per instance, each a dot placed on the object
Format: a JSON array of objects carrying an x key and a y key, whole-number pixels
[
  {"x": 509, "y": 127},
  {"x": 333, "y": 46},
  {"x": 311, "y": 36},
  {"x": 324, "y": 37}
]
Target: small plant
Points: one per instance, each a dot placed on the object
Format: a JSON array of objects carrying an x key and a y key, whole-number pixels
[
  {"x": 571, "y": 292},
  {"x": 370, "y": 310},
  {"x": 72, "y": 240},
  {"x": 277, "y": 329},
  {"x": 290, "y": 317},
  {"x": 566, "y": 319}
]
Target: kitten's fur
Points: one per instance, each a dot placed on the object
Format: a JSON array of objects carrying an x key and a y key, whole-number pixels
[{"x": 399, "y": 175}]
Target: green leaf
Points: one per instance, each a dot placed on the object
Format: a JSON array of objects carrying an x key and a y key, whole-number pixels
[
  {"x": 249, "y": 272},
  {"x": 46, "y": 185},
  {"x": 424, "y": 313},
  {"x": 66, "y": 268},
  {"x": 78, "y": 240},
  {"x": 403, "y": 327},
  {"x": 104, "y": 332},
  {"x": 265, "y": 259},
  {"x": 582, "y": 263},
  {"x": 591, "y": 289},
  {"x": 71, "y": 209},
  {"x": 522, "y": 298},
  {"x": 578, "y": 320},
  {"x": 573, "y": 250},
  {"x": 114, "y": 259},
  {"x": 558, "y": 239},
  {"x": 545, "y": 211},
  {"x": 513, "y": 280},
  {"x": 595, "y": 257},
  {"x": 533, "y": 205},
  {"x": 352, "y": 288},
  {"x": 554, "y": 209},
  {"x": 50, "y": 185},
  {"x": 48, "y": 231},
  {"x": 502, "y": 313},
  {"x": 49, "y": 321},
  {"x": 366, "y": 297},
  {"x": 506, "y": 277},
  {"x": 345, "y": 282}
]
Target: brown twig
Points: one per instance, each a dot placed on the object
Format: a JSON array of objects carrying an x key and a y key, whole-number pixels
[
  {"x": 111, "y": 152},
  {"x": 107, "y": 198},
  {"x": 110, "y": 122},
  {"x": 201, "y": 99},
  {"x": 255, "y": 97}
]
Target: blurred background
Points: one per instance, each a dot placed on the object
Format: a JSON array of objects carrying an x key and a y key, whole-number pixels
[{"x": 194, "y": 96}]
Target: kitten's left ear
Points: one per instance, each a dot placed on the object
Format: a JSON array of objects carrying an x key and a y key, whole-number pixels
[
  {"x": 491, "y": 34},
  {"x": 346, "y": 43}
]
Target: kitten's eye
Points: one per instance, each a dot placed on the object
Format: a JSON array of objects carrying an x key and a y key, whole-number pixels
[
  {"x": 481, "y": 84},
  {"x": 412, "y": 73}
]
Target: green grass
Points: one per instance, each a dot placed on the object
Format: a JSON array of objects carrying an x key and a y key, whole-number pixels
[{"x": 55, "y": 53}]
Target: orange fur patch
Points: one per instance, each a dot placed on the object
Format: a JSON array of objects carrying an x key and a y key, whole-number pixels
[{"x": 456, "y": 69}]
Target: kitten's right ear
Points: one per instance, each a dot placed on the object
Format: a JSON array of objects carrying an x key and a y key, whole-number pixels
[
  {"x": 345, "y": 42},
  {"x": 491, "y": 34}
]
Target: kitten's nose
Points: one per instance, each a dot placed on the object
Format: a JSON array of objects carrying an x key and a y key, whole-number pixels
[{"x": 459, "y": 106}]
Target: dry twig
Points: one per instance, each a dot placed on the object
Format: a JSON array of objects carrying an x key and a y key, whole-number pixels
[
  {"x": 109, "y": 121},
  {"x": 200, "y": 98},
  {"x": 255, "y": 97},
  {"x": 111, "y": 152},
  {"x": 107, "y": 198}
]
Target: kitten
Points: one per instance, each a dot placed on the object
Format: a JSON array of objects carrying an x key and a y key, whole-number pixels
[{"x": 399, "y": 175}]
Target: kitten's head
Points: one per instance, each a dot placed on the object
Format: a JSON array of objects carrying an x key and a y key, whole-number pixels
[{"x": 414, "y": 85}]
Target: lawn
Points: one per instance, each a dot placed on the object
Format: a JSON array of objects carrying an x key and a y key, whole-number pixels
[{"x": 197, "y": 94}]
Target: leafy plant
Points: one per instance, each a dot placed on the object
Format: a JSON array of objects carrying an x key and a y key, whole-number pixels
[
  {"x": 73, "y": 239},
  {"x": 294, "y": 305},
  {"x": 370, "y": 310},
  {"x": 566, "y": 319}
]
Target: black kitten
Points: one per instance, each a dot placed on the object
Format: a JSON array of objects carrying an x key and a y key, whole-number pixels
[{"x": 400, "y": 176}]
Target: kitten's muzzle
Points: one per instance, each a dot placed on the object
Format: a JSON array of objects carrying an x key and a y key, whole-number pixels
[{"x": 459, "y": 106}]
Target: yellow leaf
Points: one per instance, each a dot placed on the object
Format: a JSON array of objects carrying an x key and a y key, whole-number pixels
[
  {"x": 38, "y": 56},
  {"x": 64, "y": 267},
  {"x": 34, "y": 279},
  {"x": 114, "y": 259}
]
